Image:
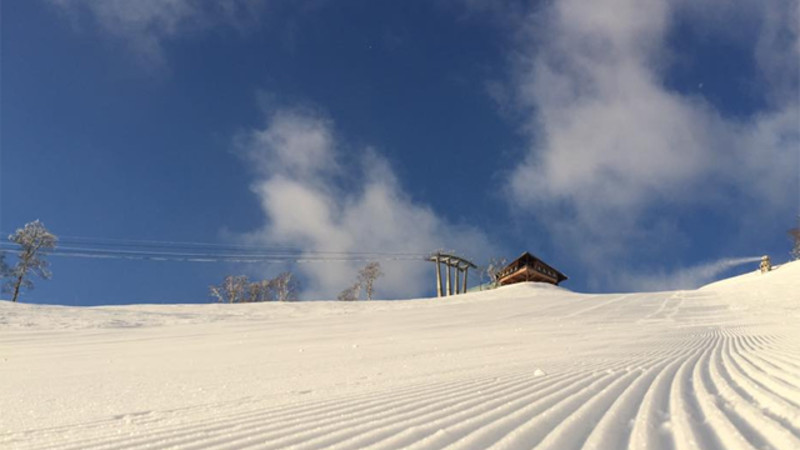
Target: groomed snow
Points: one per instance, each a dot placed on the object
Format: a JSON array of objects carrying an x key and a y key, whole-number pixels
[{"x": 522, "y": 366}]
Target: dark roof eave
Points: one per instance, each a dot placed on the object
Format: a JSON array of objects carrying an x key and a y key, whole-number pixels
[{"x": 561, "y": 276}]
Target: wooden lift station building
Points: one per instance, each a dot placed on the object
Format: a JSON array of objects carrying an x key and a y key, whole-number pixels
[{"x": 529, "y": 268}]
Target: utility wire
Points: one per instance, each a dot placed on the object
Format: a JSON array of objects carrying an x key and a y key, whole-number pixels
[
  {"x": 100, "y": 248},
  {"x": 119, "y": 244},
  {"x": 181, "y": 258}
]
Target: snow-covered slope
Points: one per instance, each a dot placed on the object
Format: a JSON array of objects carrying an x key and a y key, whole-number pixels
[{"x": 517, "y": 367}]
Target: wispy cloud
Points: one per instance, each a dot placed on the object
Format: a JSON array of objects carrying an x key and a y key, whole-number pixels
[
  {"x": 611, "y": 144},
  {"x": 684, "y": 278},
  {"x": 145, "y": 25},
  {"x": 314, "y": 202}
]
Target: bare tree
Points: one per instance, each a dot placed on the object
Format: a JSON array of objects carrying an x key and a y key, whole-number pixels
[
  {"x": 367, "y": 277},
  {"x": 34, "y": 241},
  {"x": 350, "y": 294},
  {"x": 232, "y": 290},
  {"x": 285, "y": 287}
]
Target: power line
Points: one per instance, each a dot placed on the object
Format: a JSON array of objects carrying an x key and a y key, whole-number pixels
[
  {"x": 106, "y": 242},
  {"x": 207, "y": 246},
  {"x": 228, "y": 259},
  {"x": 102, "y": 248}
]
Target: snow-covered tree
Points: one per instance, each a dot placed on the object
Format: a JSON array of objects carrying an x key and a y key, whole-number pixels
[
  {"x": 232, "y": 290},
  {"x": 795, "y": 235},
  {"x": 34, "y": 242},
  {"x": 4, "y": 268},
  {"x": 493, "y": 269},
  {"x": 239, "y": 289},
  {"x": 285, "y": 287},
  {"x": 350, "y": 294},
  {"x": 260, "y": 291},
  {"x": 367, "y": 276}
]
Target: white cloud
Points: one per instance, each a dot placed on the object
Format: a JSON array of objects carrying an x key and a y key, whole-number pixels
[
  {"x": 311, "y": 201},
  {"x": 611, "y": 144},
  {"x": 144, "y": 25},
  {"x": 685, "y": 278}
]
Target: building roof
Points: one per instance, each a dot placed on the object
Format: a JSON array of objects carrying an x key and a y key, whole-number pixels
[{"x": 527, "y": 259}]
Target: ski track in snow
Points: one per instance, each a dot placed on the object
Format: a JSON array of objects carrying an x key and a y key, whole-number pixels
[{"x": 521, "y": 367}]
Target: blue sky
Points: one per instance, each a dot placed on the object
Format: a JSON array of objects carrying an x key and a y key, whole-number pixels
[{"x": 621, "y": 141}]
